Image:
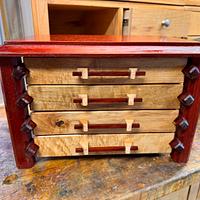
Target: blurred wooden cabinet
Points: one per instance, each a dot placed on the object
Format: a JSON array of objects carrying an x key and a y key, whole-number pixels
[
  {"x": 174, "y": 18},
  {"x": 77, "y": 17}
]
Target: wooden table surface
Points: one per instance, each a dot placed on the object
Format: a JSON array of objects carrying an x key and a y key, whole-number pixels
[{"x": 110, "y": 177}]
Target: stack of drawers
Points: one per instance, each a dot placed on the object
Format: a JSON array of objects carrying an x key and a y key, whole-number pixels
[{"x": 87, "y": 106}]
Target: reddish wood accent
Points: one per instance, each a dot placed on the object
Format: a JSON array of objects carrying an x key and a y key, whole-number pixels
[
  {"x": 110, "y": 73},
  {"x": 190, "y": 113},
  {"x": 181, "y": 123},
  {"x": 191, "y": 72},
  {"x": 20, "y": 71},
  {"x": 177, "y": 145},
  {"x": 98, "y": 46},
  {"x": 106, "y": 149},
  {"x": 107, "y": 100},
  {"x": 186, "y": 99},
  {"x": 24, "y": 100},
  {"x": 98, "y": 51},
  {"x": 104, "y": 126},
  {"x": 31, "y": 149},
  {"x": 12, "y": 90},
  {"x": 28, "y": 126},
  {"x": 103, "y": 40}
]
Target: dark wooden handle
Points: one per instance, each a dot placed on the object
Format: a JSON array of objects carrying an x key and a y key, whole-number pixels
[
  {"x": 110, "y": 73},
  {"x": 103, "y": 126},
  {"x": 106, "y": 149},
  {"x": 107, "y": 100}
]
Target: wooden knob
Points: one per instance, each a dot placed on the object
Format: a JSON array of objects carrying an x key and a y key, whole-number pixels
[
  {"x": 59, "y": 123},
  {"x": 20, "y": 71},
  {"x": 186, "y": 99},
  {"x": 24, "y": 100},
  {"x": 32, "y": 149},
  {"x": 181, "y": 122},
  {"x": 191, "y": 72},
  {"x": 177, "y": 144},
  {"x": 28, "y": 126}
]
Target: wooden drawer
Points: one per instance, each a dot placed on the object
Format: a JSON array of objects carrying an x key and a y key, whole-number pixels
[
  {"x": 62, "y": 97},
  {"x": 148, "y": 20},
  {"x": 60, "y": 70},
  {"x": 50, "y": 123},
  {"x": 73, "y": 145},
  {"x": 194, "y": 26}
]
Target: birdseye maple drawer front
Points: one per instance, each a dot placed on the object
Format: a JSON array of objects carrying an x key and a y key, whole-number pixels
[
  {"x": 63, "y": 97},
  {"x": 158, "y": 20},
  {"x": 67, "y": 145},
  {"x": 51, "y": 123},
  {"x": 104, "y": 70}
]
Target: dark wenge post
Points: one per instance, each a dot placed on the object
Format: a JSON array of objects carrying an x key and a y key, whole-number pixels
[
  {"x": 12, "y": 72},
  {"x": 189, "y": 112}
]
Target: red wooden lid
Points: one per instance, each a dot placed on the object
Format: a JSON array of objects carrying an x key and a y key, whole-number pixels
[
  {"x": 103, "y": 39},
  {"x": 98, "y": 46}
]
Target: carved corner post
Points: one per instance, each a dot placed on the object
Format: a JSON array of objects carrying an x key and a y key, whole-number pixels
[
  {"x": 189, "y": 112},
  {"x": 16, "y": 102}
]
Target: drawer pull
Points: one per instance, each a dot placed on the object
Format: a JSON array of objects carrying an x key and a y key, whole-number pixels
[
  {"x": 84, "y": 100},
  {"x": 166, "y": 23},
  {"x": 84, "y": 73},
  {"x": 104, "y": 126},
  {"x": 107, "y": 149}
]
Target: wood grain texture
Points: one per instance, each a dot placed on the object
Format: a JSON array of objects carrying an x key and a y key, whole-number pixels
[
  {"x": 99, "y": 51},
  {"x": 138, "y": 177},
  {"x": 198, "y": 194},
  {"x": 59, "y": 71},
  {"x": 192, "y": 2},
  {"x": 168, "y": 2},
  {"x": 80, "y": 19},
  {"x": 45, "y": 23},
  {"x": 147, "y": 20},
  {"x": 192, "y": 8},
  {"x": 58, "y": 97},
  {"x": 66, "y": 145},
  {"x": 4, "y": 21},
  {"x": 40, "y": 17},
  {"x": 194, "y": 26},
  {"x": 100, "y": 46},
  {"x": 194, "y": 189},
  {"x": 177, "y": 195},
  {"x": 114, "y": 3},
  {"x": 148, "y": 120},
  {"x": 98, "y": 3},
  {"x": 103, "y": 40}
]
